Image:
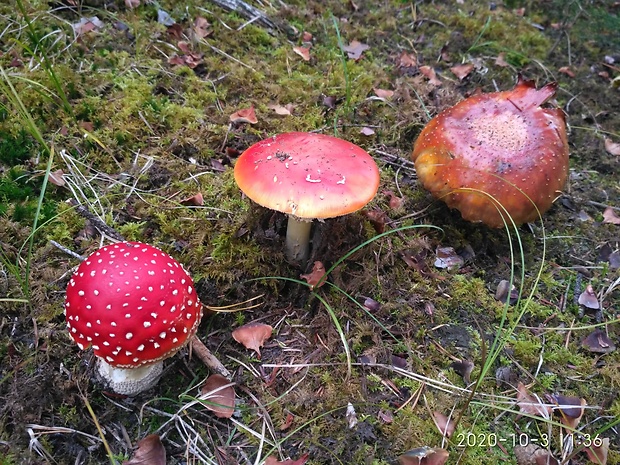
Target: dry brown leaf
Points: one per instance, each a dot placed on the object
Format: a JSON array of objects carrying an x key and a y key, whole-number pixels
[
  {"x": 597, "y": 341},
  {"x": 566, "y": 70},
  {"x": 245, "y": 115},
  {"x": 220, "y": 396},
  {"x": 395, "y": 202},
  {"x": 448, "y": 258},
  {"x": 609, "y": 216},
  {"x": 501, "y": 60},
  {"x": 306, "y": 36},
  {"x": 384, "y": 94},
  {"x": 273, "y": 460},
  {"x": 56, "y": 178},
  {"x": 443, "y": 424},
  {"x": 533, "y": 454},
  {"x": 201, "y": 27},
  {"x": 150, "y": 451},
  {"x": 612, "y": 147},
  {"x": 424, "y": 456},
  {"x": 131, "y": 4},
  {"x": 430, "y": 74},
  {"x": 286, "y": 110},
  {"x": 196, "y": 200},
  {"x": 532, "y": 405},
  {"x": 366, "y": 131},
  {"x": 315, "y": 277},
  {"x": 355, "y": 49},
  {"x": 303, "y": 52},
  {"x": 407, "y": 60},
  {"x": 463, "y": 368},
  {"x": 598, "y": 454},
  {"x": 588, "y": 298},
  {"x": 569, "y": 408},
  {"x": 378, "y": 218},
  {"x": 462, "y": 71},
  {"x": 252, "y": 335},
  {"x": 86, "y": 25}
]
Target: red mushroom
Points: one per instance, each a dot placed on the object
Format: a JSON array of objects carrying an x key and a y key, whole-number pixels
[
  {"x": 307, "y": 176},
  {"x": 501, "y": 147},
  {"x": 135, "y": 306}
]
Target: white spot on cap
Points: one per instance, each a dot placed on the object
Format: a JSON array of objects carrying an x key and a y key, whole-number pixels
[
  {"x": 128, "y": 336},
  {"x": 147, "y": 324},
  {"x": 140, "y": 347}
]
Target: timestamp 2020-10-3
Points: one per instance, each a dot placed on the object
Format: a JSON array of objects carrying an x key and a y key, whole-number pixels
[{"x": 519, "y": 439}]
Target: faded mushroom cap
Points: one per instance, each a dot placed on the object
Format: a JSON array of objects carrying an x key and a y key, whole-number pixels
[
  {"x": 503, "y": 144},
  {"x": 308, "y": 175},
  {"x": 133, "y": 303}
]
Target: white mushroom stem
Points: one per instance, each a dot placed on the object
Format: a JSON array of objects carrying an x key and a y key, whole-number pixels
[
  {"x": 298, "y": 240},
  {"x": 129, "y": 381}
]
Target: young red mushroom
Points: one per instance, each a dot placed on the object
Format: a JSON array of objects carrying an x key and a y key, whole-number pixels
[
  {"x": 307, "y": 176},
  {"x": 496, "y": 148},
  {"x": 135, "y": 306}
]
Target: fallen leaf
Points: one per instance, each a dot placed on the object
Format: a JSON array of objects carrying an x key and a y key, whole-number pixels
[
  {"x": 378, "y": 218},
  {"x": 443, "y": 424},
  {"x": 463, "y": 368},
  {"x": 287, "y": 422},
  {"x": 386, "y": 416},
  {"x": 569, "y": 408},
  {"x": 566, "y": 70},
  {"x": 430, "y": 74},
  {"x": 533, "y": 455},
  {"x": 530, "y": 404},
  {"x": 330, "y": 101},
  {"x": 614, "y": 260},
  {"x": 462, "y": 71},
  {"x": 272, "y": 460},
  {"x": 612, "y": 147},
  {"x": 303, "y": 52},
  {"x": 366, "y": 131},
  {"x": 220, "y": 396},
  {"x": 384, "y": 94},
  {"x": 395, "y": 202},
  {"x": 150, "y": 451},
  {"x": 86, "y": 25},
  {"x": 286, "y": 110},
  {"x": 252, "y": 336},
  {"x": 56, "y": 178},
  {"x": 315, "y": 277},
  {"x": 609, "y": 216},
  {"x": 448, "y": 258},
  {"x": 597, "y": 341},
  {"x": 506, "y": 292},
  {"x": 355, "y": 49},
  {"x": 201, "y": 27},
  {"x": 407, "y": 60},
  {"x": 245, "y": 115},
  {"x": 588, "y": 298},
  {"x": 131, "y": 4},
  {"x": 371, "y": 304},
  {"x": 598, "y": 454},
  {"x": 306, "y": 36},
  {"x": 196, "y": 200},
  {"x": 501, "y": 60},
  {"x": 424, "y": 456},
  {"x": 164, "y": 18}
]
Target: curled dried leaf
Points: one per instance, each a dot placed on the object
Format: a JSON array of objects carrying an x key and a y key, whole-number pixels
[
  {"x": 448, "y": 258},
  {"x": 531, "y": 404},
  {"x": 195, "y": 200},
  {"x": 609, "y": 216},
  {"x": 355, "y": 49},
  {"x": 150, "y": 451},
  {"x": 597, "y": 341},
  {"x": 462, "y": 71},
  {"x": 569, "y": 408},
  {"x": 430, "y": 74},
  {"x": 598, "y": 453},
  {"x": 443, "y": 424},
  {"x": 588, "y": 298},
  {"x": 612, "y": 147},
  {"x": 252, "y": 336},
  {"x": 245, "y": 115},
  {"x": 303, "y": 52},
  {"x": 220, "y": 396},
  {"x": 315, "y": 277},
  {"x": 424, "y": 456},
  {"x": 463, "y": 368}
]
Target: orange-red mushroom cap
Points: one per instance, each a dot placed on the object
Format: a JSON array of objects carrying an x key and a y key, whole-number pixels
[
  {"x": 308, "y": 175},
  {"x": 503, "y": 144}
]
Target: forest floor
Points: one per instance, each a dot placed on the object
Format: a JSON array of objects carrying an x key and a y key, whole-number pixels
[{"x": 137, "y": 111}]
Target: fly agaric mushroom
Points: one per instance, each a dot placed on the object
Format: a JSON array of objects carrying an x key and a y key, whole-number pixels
[
  {"x": 307, "y": 176},
  {"x": 135, "y": 306},
  {"x": 496, "y": 148}
]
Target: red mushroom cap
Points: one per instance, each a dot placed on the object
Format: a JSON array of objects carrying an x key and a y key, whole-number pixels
[
  {"x": 308, "y": 175},
  {"x": 504, "y": 144},
  {"x": 133, "y": 303}
]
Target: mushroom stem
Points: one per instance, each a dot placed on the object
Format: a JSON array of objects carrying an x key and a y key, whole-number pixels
[
  {"x": 298, "y": 240},
  {"x": 129, "y": 381}
]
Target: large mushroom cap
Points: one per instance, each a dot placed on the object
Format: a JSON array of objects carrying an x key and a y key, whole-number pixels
[
  {"x": 133, "y": 303},
  {"x": 503, "y": 144},
  {"x": 308, "y": 175}
]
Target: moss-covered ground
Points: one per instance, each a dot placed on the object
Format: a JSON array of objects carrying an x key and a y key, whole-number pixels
[{"x": 136, "y": 115}]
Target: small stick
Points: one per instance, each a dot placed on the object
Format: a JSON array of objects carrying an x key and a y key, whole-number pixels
[
  {"x": 97, "y": 222},
  {"x": 207, "y": 357}
]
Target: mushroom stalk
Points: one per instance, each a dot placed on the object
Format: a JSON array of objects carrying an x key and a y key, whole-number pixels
[
  {"x": 130, "y": 381},
  {"x": 298, "y": 240}
]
